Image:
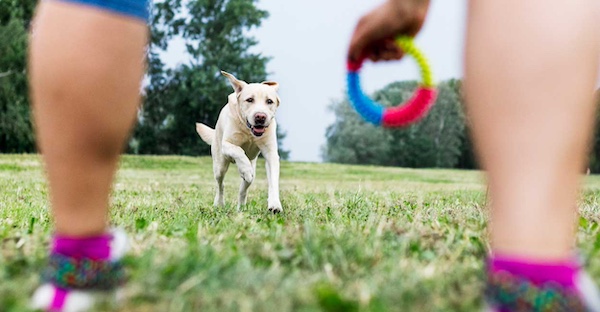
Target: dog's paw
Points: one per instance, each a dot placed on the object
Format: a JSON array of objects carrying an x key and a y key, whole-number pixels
[
  {"x": 242, "y": 201},
  {"x": 219, "y": 200},
  {"x": 275, "y": 207},
  {"x": 247, "y": 174}
]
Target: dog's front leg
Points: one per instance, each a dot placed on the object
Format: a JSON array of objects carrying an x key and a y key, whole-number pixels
[
  {"x": 243, "y": 195},
  {"x": 272, "y": 165},
  {"x": 241, "y": 160}
]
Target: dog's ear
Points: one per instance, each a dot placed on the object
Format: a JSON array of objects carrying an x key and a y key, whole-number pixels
[
  {"x": 237, "y": 85},
  {"x": 271, "y": 84}
]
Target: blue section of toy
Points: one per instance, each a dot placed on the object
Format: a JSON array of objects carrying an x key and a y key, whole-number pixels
[{"x": 367, "y": 108}]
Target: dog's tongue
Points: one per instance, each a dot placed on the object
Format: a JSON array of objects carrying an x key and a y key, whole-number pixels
[{"x": 260, "y": 130}]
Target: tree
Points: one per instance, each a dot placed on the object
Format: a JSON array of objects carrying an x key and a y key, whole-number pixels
[
  {"x": 594, "y": 156},
  {"x": 350, "y": 140},
  {"x": 16, "y": 133},
  {"x": 215, "y": 34},
  {"x": 17, "y": 9},
  {"x": 467, "y": 159},
  {"x": 433, "y": 142}
]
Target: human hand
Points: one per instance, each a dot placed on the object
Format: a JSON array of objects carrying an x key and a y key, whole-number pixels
[{"x": 375, "y": 32}]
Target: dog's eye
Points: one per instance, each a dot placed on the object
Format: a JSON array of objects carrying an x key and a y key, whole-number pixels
[
  {"x": 250, "y": 100},
  {"x": 269, "y": 101}
]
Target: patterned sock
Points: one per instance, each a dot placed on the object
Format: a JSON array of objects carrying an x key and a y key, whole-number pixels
[
  {"x": 95, "y": 248},
  {"x": 519, "y": 284},
  {"x": 82, "y": 272}
]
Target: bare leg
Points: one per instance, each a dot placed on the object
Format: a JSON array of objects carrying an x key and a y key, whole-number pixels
[
  {"x": 530, "y": 75},
  {"x": 86, "y": 66}
]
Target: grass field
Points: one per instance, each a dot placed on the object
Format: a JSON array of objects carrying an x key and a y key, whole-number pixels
[{"x": 351, "y": 238}]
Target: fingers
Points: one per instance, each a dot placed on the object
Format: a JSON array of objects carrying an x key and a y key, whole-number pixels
[
  {"x": 379, "y": 24},
  {"x": 361, "y": 37},
  {"x": 375, "y": 32},
  {"x": 385, "y": 50}
]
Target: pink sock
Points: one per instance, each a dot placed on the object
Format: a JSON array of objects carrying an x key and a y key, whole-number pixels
[
  {"x": 538, "y": 272},
  {"x": 95, "y": 248}
]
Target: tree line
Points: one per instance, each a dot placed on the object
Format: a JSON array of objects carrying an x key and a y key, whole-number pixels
[
  {"x": 215, "y": 34},
  {"x": 440, "y": 140}
]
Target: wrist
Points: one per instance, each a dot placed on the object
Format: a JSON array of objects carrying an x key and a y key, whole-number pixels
[
  {"x": 409, "y": 10},
  {"x": 399, "y": 8}
]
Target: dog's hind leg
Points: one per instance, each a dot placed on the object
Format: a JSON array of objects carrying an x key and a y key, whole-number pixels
[
  {"x": 220, "y": 167},
  {"x": 245, "y": 185}
]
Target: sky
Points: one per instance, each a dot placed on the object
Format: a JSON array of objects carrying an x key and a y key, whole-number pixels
[{"x": 307, "y": 40}]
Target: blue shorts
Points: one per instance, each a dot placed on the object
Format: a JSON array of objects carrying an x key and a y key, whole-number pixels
[{"x": 132, "y": 8}]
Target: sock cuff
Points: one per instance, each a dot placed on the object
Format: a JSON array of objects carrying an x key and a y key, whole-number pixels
[
  {"x": 95, "y": 247},
  {"x": 537, "y": 271}
]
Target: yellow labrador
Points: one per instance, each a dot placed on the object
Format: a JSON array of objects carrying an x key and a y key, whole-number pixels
[{"x": 246, "y": 127}]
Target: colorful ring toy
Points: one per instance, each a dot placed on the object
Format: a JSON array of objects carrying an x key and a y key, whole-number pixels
[{"x": 399, "y": 116}]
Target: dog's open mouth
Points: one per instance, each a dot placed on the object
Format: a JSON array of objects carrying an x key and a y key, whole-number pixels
[{"x": 257, "y": 130}]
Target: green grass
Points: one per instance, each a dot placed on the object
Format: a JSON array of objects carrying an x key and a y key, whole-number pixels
[{"x": 351, "y": 238}]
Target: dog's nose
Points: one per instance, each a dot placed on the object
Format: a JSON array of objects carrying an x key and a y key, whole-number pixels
[{"x": 260, "y": 118}]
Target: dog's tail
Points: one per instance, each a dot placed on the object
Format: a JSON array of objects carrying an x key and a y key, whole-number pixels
[{"x": 206, "y": 133}]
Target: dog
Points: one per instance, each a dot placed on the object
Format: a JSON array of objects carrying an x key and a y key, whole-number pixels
[{"x": 246, "y": 127}]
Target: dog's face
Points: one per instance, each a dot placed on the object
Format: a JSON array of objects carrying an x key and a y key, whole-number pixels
[{"x": 257, "y": 103}]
